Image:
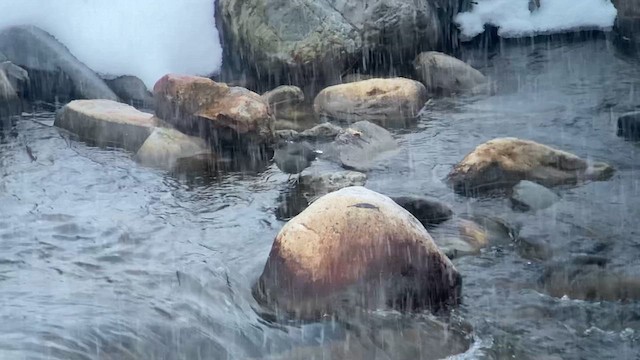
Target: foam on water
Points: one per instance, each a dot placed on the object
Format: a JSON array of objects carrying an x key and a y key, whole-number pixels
[
  {"x": 514, "y": 18},
  {"x": 145, "y": 38}
]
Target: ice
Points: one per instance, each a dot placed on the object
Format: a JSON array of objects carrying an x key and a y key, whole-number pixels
[
  {"x": 145, "y": 38},
  {"x": 514, "y": 19}
]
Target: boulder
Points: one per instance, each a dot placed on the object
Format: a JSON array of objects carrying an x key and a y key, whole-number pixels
[
  {"x": 286, "y": 104},
  {"x": 10, "y": 103},
  {"x": 361, "y": 146},
  {"x": 323, "y": 131},
  {"x": 528, "y": 195},
  {"x": 283, "y": 95},
  {"x": 392, "y": 102},
  {"x": 629, "y": 125},
  {"x": 355, "y": 249},
  {"x": 309, "y": 41},
  {"x": 429, "y": 212},
  {"x": 627, "y": 25},
  {"x": 106, "y": 123},
  {"x": 324, "y": 183},
  {"x": 131, "y": 90},
  {"x": 501, "y": 163},
  {"x": 460, "y": 237},
  {"x": 229, "y": 117},
  {"x": 54, "y": 73},
  {"x": 166, "y": 147},
  {"x": 442, "y": 74}
]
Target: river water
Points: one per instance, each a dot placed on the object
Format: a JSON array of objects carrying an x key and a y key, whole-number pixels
[{"x": 101, "y": 258}]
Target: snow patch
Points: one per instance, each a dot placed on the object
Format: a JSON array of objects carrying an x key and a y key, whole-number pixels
[
  {"x": 145, "y": 38},
  {"x": 514, "y": 19}
]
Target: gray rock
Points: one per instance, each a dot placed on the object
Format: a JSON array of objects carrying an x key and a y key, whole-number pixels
[
  {"x": 10, "y": 103},
  {"x": 131, "y": 90},
  {"x": 324, "y": 183},
  {"x": 429, "y": 212},
  {"x": 106, "y": 123},
  {"x": 528, "y": 195},
  {"x": 165, "y": 147},
  {"x": 285, "y": 94},
  {"x": 629, "y": 125},
  {"x": 313, "y": 40},
  {"x": 627, "y": 25},
  {"x": 361, "y": 146},
  {"x": 287, "y": 134},
  {"x": 55, "y": 74},
  {"x": 325, "y": 130},
  {"x": 17, "y": 76},
  {"x": 444, "y": 74}
]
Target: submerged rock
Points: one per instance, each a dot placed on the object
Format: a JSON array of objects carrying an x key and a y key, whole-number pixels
[
  {"x": 55, "y": 74},
  {"x": 429, "y": 212},
  {"x": 131, "y": 90},
  {"x": 528, "y": 195},
  {"x": 444, "y": 74},
  {"x": 460, "y": 237},
  {"x": 361, "y": 146},
  {"x": 503, "y": 162},
  {"x": 355, "y": 249},
  {"x": 320, "y": 40},
  {"x": 629, "y": 125},
  {"x": 165, "y": 148},
  {"x": 106, "y": 123},
  {"x": 388, "y": 102},
  {"x": 229, "y": 117}
]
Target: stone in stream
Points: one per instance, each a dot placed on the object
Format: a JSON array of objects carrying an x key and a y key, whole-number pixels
[
  {"x": 629, "y": 125},
  {"x": 229, "y": 117},
  {"x": 501, "y": 163},
  {"x": 460, "y": 237},
  {"x": 361, "y": 146},
  {"x": 429, "y": 212},
  {"x": 131, "y": 90},
  {"x": 166, "y": 147},
  {"x": 354, "y": 250},
  {"x": 55, "y": 74},
  {"x": 324, "y": 131},
  {"x": 527, "y": 195},
  {"x": 106, "y": 123},
  {"x": 444, "y": 74},
  {"x": 387, "y": 102}
]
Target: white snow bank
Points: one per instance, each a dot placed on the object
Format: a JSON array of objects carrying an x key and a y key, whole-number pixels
[
  {"x": 514, "y": 19},
  {"x": 145, "y": 38}
]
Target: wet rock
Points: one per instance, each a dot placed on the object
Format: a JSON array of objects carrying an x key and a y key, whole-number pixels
[
  {"x": 528, "y": 195},
  {"x": 587, "y": 278},
  {"x": 283, "y": 95},
  {"x": 460, "y": 237},
  {"x": 323, "y": 39},
  {"x": 322, "y": 131},
  {"x": 444, "y": 74},
  {"x": 627, "y": 25},
  {"x": 361, "y": 146},
  {"x": 349, "y": 78},
  {"x": 10, "y": 103},
  {"x": 324, "y": 183},
  {"x": 288, "y": 135},
  {"x": 429, "y": 212},
  {"x": 165, "y": 148},
  {"x": 629, "y": 125},
  {"x": 229, "y": 117},
  {"x": 17, "y": 76},
  {"x": 106, "y": 123},
  {"x": 503, "y": 162},
  {"x": 132, "y": 91},
  {"x": 355, "y": 249},
  {"x": 387, "y": 102},
  {"x": 54, "y": 73}
]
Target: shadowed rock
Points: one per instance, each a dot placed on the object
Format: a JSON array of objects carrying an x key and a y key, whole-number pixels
[
  {"x": 629, "y": 125},
  {"x": 355, "y": 249},
  {"x": 12, "y": 81},
  {"x": 528, "y": 195},
  {"x": 292, "y": 157},
  {"x": 503, "y": 162},
  {"x": 132, "y": 91},
  {"x": 429, "y": 212}
]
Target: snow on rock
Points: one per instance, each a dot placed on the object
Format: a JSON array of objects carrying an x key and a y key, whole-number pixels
[
  {"x": 514, "y": 19},
  {"x": 145, "y": 38}
]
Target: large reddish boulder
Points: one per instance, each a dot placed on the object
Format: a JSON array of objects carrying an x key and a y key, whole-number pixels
[
  {"x": 355, "y": 249},
  {"x": 227, "y": 116}
]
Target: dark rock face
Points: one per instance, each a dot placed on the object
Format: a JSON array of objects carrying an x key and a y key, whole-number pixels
[
  {"x": 54, "y": 73},
  {"x": 13, "y": 81},
  {"x": 281, "y": 42},
  {"x": 429, "y": 212},
  {"x": 629, "y": 125},
  {"x": 627, "y": 25},
  {"x": 132, "y": 91}
]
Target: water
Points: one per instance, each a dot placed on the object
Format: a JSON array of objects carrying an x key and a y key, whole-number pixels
[{"x": 103, "y": 259}]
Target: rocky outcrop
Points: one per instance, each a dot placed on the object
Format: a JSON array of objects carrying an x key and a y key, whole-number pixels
[
  {"x": 627, "y": 25},
  {"x": 13, "y": 81},
  {"x": 321, "y": 39},
  {"x": 387, "y": 102},
  {"x": 442, "y": 74},
  {"x": 54, "y": 73},
  {"x": 503, "y": 162},
  {"x": 131, "y": 90},
  {"x": 355, "y": 249},
  {"x": 106, "y": 123},
  {"x": 527, "y": 195},
  {"x": 361, "y": 146},
  {"x": 166, "y": 147},
  {"x": 629, "y": 125},
  {"x": 229, "y": 117}
]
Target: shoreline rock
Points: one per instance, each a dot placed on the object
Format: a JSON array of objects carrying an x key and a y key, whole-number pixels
[{"x": 442, "y": 74}]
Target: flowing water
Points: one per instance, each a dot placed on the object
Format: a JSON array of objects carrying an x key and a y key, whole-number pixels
[{"x": 101, "y": 258}]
